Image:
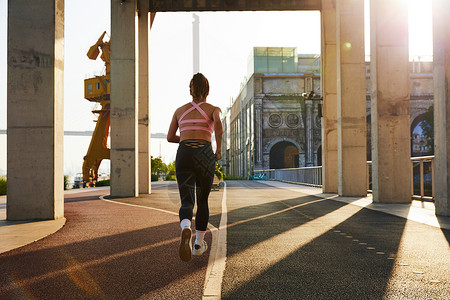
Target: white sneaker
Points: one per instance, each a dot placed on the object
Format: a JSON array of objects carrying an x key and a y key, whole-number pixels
[
  {"x": 185, "y": 249},
  {"x": 200, "y": 249}
]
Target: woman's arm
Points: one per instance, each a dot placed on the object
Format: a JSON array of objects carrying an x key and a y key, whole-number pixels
[
  {"x": 172, "y": 136},
  {"x": 218, "y": 130}
]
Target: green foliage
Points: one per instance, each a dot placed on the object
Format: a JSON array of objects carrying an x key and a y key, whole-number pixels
[
  {"x": 66, "y": 182},
  {"x": 219, "y": 172},
  {"x": 158, "y": 166},
  {"x": 171, "y": 172},
  {"x": 171, "y": 168},
  {"x": 170, "y": 178},
  {"x": 237, "y": 178},
  {"x": 103, "y": 183},
  {"x": 2, "y": 186},
  {"x": 427, "y": 126}
]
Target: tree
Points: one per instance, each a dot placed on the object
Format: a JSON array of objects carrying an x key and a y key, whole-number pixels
[
  {"x": 427, "y": 126},
  {"x": 171, "y": 168},
  {"x": 158, "y": 165},
  {"x": 66, "y": 182}
]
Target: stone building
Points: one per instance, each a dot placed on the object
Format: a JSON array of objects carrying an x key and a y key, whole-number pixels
[{"x": 275, "y": 121}]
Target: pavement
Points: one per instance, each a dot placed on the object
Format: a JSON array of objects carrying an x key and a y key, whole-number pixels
[{"x": 268, "y": 240}]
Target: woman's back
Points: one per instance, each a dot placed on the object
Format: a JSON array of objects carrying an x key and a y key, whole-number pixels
[{"x": 195, "y": 120}]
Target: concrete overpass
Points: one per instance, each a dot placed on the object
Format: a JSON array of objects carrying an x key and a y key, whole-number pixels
[{"x": 35, "y": 98}]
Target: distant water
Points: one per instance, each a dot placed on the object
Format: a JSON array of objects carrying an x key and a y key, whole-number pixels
[{"x": 75, "y": 148}]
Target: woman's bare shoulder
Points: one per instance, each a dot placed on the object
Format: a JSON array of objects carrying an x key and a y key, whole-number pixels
[
  {"x": 212, "y": 108},
  {"x": 180, "y": 110}
]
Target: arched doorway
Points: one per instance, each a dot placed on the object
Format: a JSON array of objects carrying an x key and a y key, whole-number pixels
[
  {"x": 284, "y": 155},
  {"x": 421, "y": 143}
]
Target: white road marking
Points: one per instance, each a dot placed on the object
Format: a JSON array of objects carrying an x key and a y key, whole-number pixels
[
  {"x": 218, "y": 255},
  {"x": 256, "y": 259},
  {"x": 141, "y": 206}
]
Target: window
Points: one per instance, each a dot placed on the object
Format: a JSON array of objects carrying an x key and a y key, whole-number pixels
[
  {"x": 90, "y": 86},
  {"x": 97, "y": 85}
]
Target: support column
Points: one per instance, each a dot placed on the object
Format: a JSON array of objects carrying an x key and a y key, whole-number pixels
[
  {"x": 124, "y": 99},
  {"x": 35, "y": 110},
  {"x": 258, "y": 131},
  {"x": 309, "y": 134},
  {"x": 351, "y": 98},
  {"x": 441, "y": 76},
  {"x": 391, "y": 151},
  {"x": 145, "y": 186},
  {"x": 329, "y": 90}
]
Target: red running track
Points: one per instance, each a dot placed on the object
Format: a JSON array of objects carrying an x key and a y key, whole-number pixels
[{"x": 105, "y": 251}]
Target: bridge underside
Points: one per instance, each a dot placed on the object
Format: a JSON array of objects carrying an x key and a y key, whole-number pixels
[
  {"x": 232, "y": 5},
  {"x": 36, "y": 98}
]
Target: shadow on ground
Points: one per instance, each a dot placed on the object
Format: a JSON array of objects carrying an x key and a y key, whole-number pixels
[
  {"x": 330, "y": 266},
  {"x": 105, "y": 250}
]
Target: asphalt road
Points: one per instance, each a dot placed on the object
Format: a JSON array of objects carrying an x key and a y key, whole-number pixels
[
  {"x": 105, "y": 251},
  {"x": 291, "y": 246},
  {"x": 280, "y": 245}
]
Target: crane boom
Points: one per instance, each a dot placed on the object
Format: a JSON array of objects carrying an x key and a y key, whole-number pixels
[{"x": 98, "y": 89}]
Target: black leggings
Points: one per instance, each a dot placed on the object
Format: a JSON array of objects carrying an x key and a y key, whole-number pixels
[{"x": 195, "y": 165}]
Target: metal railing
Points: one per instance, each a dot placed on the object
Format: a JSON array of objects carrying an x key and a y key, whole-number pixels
[
  {"x": 307, "y": 175},
  {"x": 422, "y": 179},
  {"x": 425, "y": 177}
]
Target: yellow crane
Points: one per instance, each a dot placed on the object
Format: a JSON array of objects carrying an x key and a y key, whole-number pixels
[{"x": 98, "y": 89}]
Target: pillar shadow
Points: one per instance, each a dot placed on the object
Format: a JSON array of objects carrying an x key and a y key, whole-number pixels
[
  {"x": 445, "y": 222},
  {"x": 80, "y": 199},
  {"x": 331, "y": 266},
  {"x": 251, "y": 225},
  {"x": 86, "y": 259}
]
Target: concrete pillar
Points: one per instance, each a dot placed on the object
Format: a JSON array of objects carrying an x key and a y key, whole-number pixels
[
  {"x": 309, "y": 134},
  {"x": 35, "y": 110},
  {"x": 391, "y": 151},
  {"x": 145, "y": 186},
  {"x": 258, "y": 131},
  {"x": 351, "y": 98},
  {"x": 124, "y": 99},
  {"x": 441, "y": 76},
  {"x": 329, "y": 90}
]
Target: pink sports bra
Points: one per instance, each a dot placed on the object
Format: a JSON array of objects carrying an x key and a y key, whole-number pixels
[{"x": 206, "y": 120}]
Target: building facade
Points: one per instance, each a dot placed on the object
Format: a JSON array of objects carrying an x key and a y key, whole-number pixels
[{"x": 275, "y": 121}]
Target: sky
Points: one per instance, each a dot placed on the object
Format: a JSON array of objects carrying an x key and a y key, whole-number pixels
[{"x": 226, "y": 41}]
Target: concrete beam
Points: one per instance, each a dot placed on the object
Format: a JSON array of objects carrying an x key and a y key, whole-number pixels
[
  {"x": 124, "y": 99},
  {"x": 35, "y": 109},
  {"x": 145, "y": 185},
  {"x": 351, "y": 98},
  {"x": 329, "y": 93},
  {"x": 233, "y": 5},
  {"x": 390, "y": 96},
  {"x": 441, "y": 76}
]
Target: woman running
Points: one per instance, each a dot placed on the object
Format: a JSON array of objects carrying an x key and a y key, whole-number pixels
[{"x": 195, "y": 162}]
